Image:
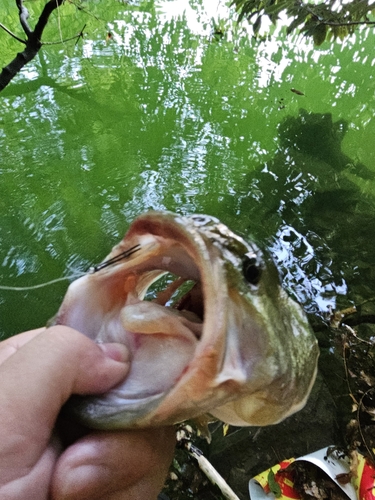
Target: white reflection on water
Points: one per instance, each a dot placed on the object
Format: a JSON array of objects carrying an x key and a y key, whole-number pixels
[{"x": 198, "y": 24}]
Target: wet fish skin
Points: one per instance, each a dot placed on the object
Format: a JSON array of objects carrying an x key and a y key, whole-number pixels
[{"x": 246, "y": 354}]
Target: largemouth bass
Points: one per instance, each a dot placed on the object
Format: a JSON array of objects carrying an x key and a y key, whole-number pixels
[{"x": 222, "y": 338}]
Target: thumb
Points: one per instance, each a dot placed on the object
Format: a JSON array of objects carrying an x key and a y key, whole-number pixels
[{"x": 38, "y": 378}]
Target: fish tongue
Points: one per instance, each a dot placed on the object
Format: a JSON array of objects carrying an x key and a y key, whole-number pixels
[
  {"x": 150, "y": 318},
  {"x": 165, "y": 342}
]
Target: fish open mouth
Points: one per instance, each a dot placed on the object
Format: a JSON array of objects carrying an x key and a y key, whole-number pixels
[
  {"x": 149, "y": 295},
  {"x": 205, "y": 321}
]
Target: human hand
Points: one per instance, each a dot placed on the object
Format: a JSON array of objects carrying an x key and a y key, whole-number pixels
[{"x": 39, "y": 370}]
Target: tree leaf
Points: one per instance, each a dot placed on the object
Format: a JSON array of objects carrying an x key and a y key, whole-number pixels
[
  {"x": 257, "y": 24},
  {"x": 319, "y": 34}
]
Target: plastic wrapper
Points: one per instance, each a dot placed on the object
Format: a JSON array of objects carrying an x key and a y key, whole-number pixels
[{"x": 355, "y": 477}]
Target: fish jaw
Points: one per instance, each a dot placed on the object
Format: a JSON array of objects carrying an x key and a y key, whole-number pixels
[
  {"x": 291, "y": 366},
  {"x": 237, "y": 365},
  {"x": 94, "y": 305}
]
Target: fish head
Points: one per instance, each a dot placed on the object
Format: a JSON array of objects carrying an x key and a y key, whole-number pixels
[{"x": 221, "y": 338}]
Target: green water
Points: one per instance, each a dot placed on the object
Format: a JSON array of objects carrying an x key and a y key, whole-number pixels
[{"x": 163, "y": 115}]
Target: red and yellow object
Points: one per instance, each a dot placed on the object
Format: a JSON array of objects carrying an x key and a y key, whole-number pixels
[
  {"x": 280, "y": 484},
  {"x": 364, "y": 482},
  {"x": 277, "y": 482}
]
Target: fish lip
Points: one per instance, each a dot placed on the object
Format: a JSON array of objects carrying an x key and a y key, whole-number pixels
[
  {"x": 200, "y": 261},
  {"x": 100, "y": 414}
]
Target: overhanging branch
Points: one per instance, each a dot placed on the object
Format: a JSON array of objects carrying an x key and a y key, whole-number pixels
[
  {"x": 348, "y": 23},
  {"x": 12, "y": 34},
  {"x": 75, "y": 37},
  {"x": 44, "y": 16},
  {"x": 33, "y": 41},
  {"x": 23, "y": 15}
]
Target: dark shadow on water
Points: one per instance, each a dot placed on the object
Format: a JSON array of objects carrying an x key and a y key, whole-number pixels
[{"x": 308, "y": 200}]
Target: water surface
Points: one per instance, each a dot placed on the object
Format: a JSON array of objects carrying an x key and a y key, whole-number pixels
[{"x": 152, "y": 110}]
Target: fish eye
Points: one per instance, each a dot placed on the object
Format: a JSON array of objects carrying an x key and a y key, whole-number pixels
[
  {"x": 251, "y": 269},
  {"x": 202, "y": 220}
]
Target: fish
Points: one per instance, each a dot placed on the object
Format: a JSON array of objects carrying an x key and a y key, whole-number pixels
[{"x": 220, "y": 337}]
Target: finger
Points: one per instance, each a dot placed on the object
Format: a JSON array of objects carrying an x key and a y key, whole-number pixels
[
  {"x": 40, "y": 376},
  {"x": 12, "y": 344},
  {"x": 129, "y": 465}
]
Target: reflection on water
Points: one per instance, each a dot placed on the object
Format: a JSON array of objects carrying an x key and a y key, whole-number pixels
[
  {"x": 163, "y": 115},
  {"x": 318, "y": 215}
]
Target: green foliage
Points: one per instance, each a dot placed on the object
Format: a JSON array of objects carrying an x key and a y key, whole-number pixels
[
  {"x": 273, "y": 484},
  {"x": 321, "y": 21}
]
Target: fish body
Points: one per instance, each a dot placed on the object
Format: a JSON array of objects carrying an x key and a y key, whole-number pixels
[{"x": 222, "y": 338}]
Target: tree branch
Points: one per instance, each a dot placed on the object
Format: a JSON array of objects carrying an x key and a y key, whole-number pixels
[
  {"x": 74, "y": 37},
  {"x": 33, "y": 42},
  {"x": 12, "y": 34},
  {"x": 44, "y": 16},
  {"x": 347, "y": 23},
  {"x": 23, "y": 15},
  {"x": 335, "y": 23}
]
